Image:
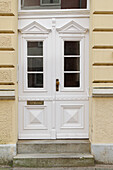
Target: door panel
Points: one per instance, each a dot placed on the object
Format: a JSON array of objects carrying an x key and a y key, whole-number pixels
[
  {"x": 35, "y": 121},
  {"x": 71, "y": 119}
]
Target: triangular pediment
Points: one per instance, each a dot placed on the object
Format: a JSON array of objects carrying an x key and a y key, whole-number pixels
[
  {"x": 35, "y": 28},
  {"x": 72, "y": 28}
]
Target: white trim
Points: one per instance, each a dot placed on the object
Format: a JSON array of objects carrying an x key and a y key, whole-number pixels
[
  {"x": 6, "y": 93},
  {"x": 57, "y": 98},
  {"x": 31, "y": 136},
  {"x": 72, "y": 13},
  {"x": 72, "y": 136},
  {"x": 38, "y": 98},
  {"x": 103, "y": 153},
  {"x": 102, "y": 91},
  {"x": 88, "y": 4}
]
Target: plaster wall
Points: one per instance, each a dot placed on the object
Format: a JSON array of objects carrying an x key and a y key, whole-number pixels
[
  {"x": 101, "y": 66},
  {"x": 101, "y": 70},
  {"x": 8, "y": 67}
]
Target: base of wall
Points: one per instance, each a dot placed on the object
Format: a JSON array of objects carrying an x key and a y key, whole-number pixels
[
  {"x": 103, "y": 153},
  {"x": 7, "y": 152}
]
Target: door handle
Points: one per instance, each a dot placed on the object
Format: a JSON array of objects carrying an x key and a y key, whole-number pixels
[{"x": 57, "y": 84}]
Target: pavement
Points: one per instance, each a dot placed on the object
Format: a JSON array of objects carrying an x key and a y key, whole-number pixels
[{"x": 96, "y": 167}]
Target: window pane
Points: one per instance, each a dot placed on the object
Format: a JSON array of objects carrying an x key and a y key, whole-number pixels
[
  {"x": 49, "y": 1},
  {"x": 35, "y": 64},
  {"x": 71, "y": 80},
  {"x": 71, "y": 48},
  {"x": 31, "y": 2},
  {"x": 35, "y": 48},
  {"x": 35, "y": 80},
  {"x": 71, "y": 64},
  {"x": 73, "y": 4},
  {"x": 54, "y": 4}
]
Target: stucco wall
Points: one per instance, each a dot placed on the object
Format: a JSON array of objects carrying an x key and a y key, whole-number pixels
[
  {"x": 8, "y": 65},
  {"x": 101, "y": 70}
]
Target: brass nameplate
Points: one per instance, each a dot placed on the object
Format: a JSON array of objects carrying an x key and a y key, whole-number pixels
[{"x": 35, "y": 102}]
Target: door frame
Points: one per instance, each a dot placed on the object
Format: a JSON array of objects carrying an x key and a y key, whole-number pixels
[{"x": 25, "y": 33}]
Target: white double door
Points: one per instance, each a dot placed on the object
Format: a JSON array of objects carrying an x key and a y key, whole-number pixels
[{"x": 53, "y": 81}]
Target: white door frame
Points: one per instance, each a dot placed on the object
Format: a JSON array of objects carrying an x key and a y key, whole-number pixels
[{"x": 33, "y": 30}]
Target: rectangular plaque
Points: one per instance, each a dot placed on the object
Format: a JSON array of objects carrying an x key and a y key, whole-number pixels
[{"x": 35, "y": 102}]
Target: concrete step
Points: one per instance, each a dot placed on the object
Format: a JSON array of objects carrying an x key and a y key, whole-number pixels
[
  {"x": 53, "y": 146},
  {"x": 53, "y": 160}
]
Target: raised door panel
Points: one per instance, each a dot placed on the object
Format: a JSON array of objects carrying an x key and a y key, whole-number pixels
[
  {"x": 35, "y": 121},
  {"x": 72, "y": 119}
]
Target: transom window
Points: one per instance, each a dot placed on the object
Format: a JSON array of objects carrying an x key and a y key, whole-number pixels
[{"x": 53, "y": 4}]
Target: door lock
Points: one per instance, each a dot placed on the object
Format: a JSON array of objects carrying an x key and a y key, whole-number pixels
[{"x": 57, "y": 84}]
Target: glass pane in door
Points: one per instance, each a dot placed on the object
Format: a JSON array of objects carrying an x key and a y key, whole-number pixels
[
  {"x": 35, "y": 80},
  {"x": 35, "y": 48},
  {"x": 72, "y": 70},
  {"x": 35, "y": 64},
  {"x": 35, "y": 70},
  {"x": 71, "y": 80},
  {"x": 71, "y": 64},
  {"x": 71, "y": 48}
]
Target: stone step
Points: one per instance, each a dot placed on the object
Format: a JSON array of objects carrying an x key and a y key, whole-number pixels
[
  {"x": 53, "y": 146},
  {"x": 53, "y": 160}
]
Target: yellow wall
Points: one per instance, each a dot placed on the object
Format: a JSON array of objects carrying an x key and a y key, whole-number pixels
[
  {"x": 8, "y": 64},
  {"x": 101, "y": 70}
]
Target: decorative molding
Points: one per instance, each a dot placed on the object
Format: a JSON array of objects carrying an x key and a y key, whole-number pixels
[
  {"x": 5, "y": 41},
  {"x": 7, "y": 94},
  {"x": 72, "y": 28},
  {"x": 102, "y": 91},
  {"x": 6, "y": 75},
  {"x": 49, "y": 98},
  {"x": 72, "y": 98},
  {"x": 53, "y": 22},
  {"x": 35, "y": 28},
  {"x": 33, "y": 98},
  {"x": 33, "y": 14},
  {"x": 5, "y": 6}
]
